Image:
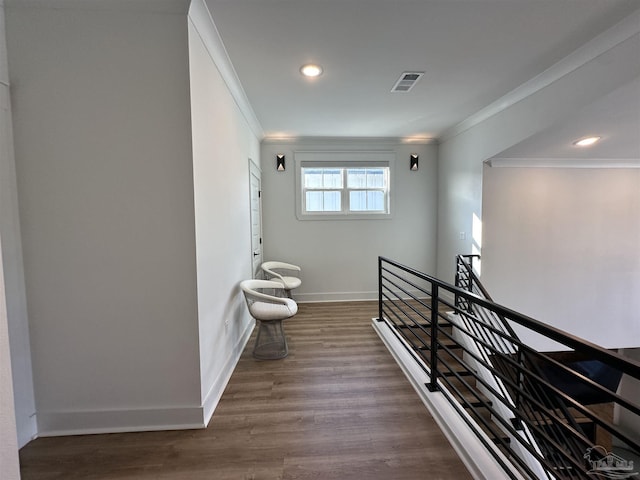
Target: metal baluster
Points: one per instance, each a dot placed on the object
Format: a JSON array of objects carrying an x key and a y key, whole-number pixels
[{"x": 433, "y": 383}]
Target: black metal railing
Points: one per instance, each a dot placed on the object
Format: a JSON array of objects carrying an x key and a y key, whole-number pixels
[{"x": 541, "y": 414}]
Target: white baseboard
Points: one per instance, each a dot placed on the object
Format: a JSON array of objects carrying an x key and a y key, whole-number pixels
[
  {"x": 343, "y": 296},
  {"x": 334, "y": 297},
  {"x": 217, "y": 389},
  {"x": 480, "y": 463},
  {"x": 53, "y": 424},
  {"x": 28, "y": 430}
]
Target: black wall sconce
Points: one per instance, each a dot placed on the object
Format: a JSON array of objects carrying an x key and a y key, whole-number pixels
[
  {"x": 280, "y": 162},
  {"x": 413, "y": 159}
]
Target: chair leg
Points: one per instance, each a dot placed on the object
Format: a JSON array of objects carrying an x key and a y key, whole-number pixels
[{"x": 271, "y": 343}]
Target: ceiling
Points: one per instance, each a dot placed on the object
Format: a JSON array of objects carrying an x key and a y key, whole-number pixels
[
  {"x": 614, "y": 117},
  {"x": 472, "y": 52}
]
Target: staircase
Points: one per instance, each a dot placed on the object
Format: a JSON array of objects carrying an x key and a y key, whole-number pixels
[{"x": 539, "y": 414}]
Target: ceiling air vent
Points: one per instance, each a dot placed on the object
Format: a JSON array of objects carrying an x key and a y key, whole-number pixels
[{"x": 406, "y": 81}]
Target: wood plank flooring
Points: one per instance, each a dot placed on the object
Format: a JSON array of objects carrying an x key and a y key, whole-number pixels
[{"x": 338, "y": 407}]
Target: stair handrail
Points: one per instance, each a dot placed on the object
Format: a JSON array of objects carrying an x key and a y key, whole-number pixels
[{"x": 629, "y": 366}]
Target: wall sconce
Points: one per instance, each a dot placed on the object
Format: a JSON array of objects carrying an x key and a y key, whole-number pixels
[
  {"x": 280, "y": 162},
  {"x": 413, "y": 159}
]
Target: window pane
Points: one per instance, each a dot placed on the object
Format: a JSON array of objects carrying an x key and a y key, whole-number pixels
[
  {"x": 312, "y": 177},
  {"x": 366, "y": 201},
  {"x": 375, "y": 178},
  {"x": 322, "y": 177},
  {"x": 356, "y": 178},
  {"x": 314, "y": 201},
  {"x": 366, "y": 178},
  {"x": 332, "y": 201},
  {"x": 358, "y": 201},
  {"x": 375, "y": 201},
  {"x": 332, "y": 178},
  {"x": 320, "y": 201}
]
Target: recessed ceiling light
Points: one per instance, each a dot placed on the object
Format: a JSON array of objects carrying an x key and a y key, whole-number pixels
[
  {"x": 586, "y": 142},
  {"x": 311, "y": 70}
]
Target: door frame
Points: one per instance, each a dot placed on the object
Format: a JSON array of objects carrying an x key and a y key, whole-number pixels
[{"x": 254, "y": 170}]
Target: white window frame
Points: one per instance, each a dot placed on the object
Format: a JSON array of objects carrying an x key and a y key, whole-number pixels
[{"x": 343, "y": 160}]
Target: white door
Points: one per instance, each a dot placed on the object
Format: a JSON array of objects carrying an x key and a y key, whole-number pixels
[{"x": 255, "y": 177}]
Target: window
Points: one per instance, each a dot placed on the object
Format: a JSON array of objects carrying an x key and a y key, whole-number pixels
[
  {"x": 362, "y": 189},
  {"x": 345, "y": 185}
]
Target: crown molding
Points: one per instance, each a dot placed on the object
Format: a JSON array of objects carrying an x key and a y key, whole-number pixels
[
  {"x": 336, "y": 141},
  {"x": 564, "y": 162},
  {"x": 201, "y": 18},
  {"x": 588, "y": 52}
]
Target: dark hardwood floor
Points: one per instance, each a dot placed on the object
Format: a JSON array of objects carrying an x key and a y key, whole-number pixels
[{"x": 338, "y": 407}]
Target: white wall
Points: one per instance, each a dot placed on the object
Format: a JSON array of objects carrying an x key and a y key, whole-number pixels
[
  {"x": 105, "y": 181},
  {"x": 561, "y": 245},
  {"x": 9, "y": 464},
  {"x": 13, "y": 268},
  {"x": 222, "y": 145},
  {"x": 339, "y": 258},
  {"x": 462, "y": 151}
]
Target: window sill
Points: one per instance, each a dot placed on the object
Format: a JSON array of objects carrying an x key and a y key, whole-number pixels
[{"x": 344, "y": 216}]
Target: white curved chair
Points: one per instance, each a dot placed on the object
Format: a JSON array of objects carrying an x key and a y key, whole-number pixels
[
  {"x": 269, "y": 312},
  {"x": 285, "y": 273}
]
